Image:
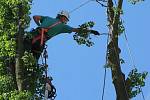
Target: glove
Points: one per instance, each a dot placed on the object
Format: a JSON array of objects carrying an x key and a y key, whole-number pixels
[{"x": 95, "y": 32}]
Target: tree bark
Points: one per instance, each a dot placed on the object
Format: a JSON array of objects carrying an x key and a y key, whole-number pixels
[
  {"x": 113, "y": 51},
  {"x": 19, "y": 67}
]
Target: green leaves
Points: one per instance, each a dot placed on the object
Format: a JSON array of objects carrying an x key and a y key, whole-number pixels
[
  {"x": 121, "y": 27},
  {"x": 6, "y": 84},
  {"x": 28, "y": 60},
  {"x": 15, "y": 95},
  {"x": 87, "y": 25},
  {"x": 83, "y": 37},
  {"x": 35, "y": 75},
  {"x": 135, "y": 81},
  {"x": 8, "y": 29},
  {"x": 117, "y": 11},
  {"x": 9, "y": 20}
]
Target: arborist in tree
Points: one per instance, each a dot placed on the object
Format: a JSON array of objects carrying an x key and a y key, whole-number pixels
[{"x": 49, "y": 27}]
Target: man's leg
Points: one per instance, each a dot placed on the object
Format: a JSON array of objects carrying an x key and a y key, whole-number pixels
[{"x": 37, "y": 49}]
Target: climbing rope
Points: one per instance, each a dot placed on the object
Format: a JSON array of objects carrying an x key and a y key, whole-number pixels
[
  {"x": 98, "y": 1},
  {"x": 131, "y": 59},
  {"x": 104, "y": 82},
  {"x": 116, "y": 52},
  {"x": 45, "y": 55},
  {"x": 80, "y": 6},
  {"x": 50, "y": 90},
  {"x": 129, "y": 50},
  {"x": 106, "y": 61},
  {"x": 130, "y": 54}
]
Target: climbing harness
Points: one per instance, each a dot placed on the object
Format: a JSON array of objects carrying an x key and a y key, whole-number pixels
[
  {"x": 42, "y": 36},
  {"x": 45, "y": 56},
  {"x": 50, "y": 90}
]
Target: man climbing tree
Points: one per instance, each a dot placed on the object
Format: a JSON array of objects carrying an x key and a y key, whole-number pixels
[{"x": 49, "y": 27}]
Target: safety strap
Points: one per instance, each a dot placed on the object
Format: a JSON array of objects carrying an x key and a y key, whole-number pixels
[
  {"x": 42, "y": 35},
  {"x": 50, "y": 90},
  {"x": 53, "y": 25}
]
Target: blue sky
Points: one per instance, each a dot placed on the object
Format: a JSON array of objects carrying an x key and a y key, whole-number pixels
[{"x": 78, "y": 70}]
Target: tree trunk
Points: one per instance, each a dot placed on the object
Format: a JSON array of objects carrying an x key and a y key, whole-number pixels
[
  {"x": 114, "y": 50},
  {"x": 19, "y": 67}
]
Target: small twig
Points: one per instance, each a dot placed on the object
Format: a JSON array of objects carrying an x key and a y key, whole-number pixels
[
  {"x": 102, "y": 0},
  {"x": 98, "y": 1}
]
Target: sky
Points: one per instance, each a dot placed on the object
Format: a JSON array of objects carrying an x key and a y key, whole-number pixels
[{"x": 77, "y": 70}]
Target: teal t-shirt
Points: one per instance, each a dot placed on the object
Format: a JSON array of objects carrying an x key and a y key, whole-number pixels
[{"x": 55, "y": 30}]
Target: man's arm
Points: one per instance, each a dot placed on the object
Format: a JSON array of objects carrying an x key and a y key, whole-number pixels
[
  {"x": 85, "y": 31},
  {"x": 37, "y": 19}
]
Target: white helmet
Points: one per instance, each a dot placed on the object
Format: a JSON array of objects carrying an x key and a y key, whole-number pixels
[{"x": 64, "y": 13}]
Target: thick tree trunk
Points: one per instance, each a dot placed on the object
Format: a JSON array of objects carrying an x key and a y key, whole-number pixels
[
  {"x": 114, "y": 50},
  {"x": 19, "y": 68}
]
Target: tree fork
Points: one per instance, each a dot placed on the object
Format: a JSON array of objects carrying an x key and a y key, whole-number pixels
[{"x": 114, "y": 50}]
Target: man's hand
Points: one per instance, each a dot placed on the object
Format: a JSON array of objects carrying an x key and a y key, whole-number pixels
[{"x": 95, "y": 32}]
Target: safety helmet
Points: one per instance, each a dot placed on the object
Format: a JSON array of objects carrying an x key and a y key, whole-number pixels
[{"x": 64, "y": 13}]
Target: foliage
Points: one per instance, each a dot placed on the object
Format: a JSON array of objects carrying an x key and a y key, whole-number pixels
[
  {"x": 30, "y": 65},
  {"x": 9, "y": 21},
  {"x": 84, "y": 37},
  {"x": 9, "y": 25},
  {"x": 121, "y": 27},
  {"x": 9, "y": 10},
  {"x": 7, "y": 30},
  {"x": 117, "y": 11},
  {"x": 29, "y": 60},
  {"x": 35, "y": 75},
  {"x": 6, "y": 84},
  {"x": 135, "y": 1},
  {"x": 135, "y": 81},
  {"x": 15, "y": 95},
  {"x": 2, "y": 67}
]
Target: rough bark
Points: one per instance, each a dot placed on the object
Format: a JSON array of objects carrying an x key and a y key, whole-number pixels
[
  {"x": 114, "y": 50},
  {"x": 19, "y": 68}
]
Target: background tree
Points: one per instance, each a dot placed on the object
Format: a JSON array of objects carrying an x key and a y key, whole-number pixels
[
  {"x": 125, "y": 88},
  {"x": 17, "y": 65}
]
